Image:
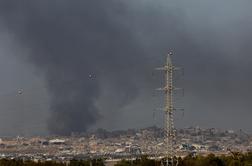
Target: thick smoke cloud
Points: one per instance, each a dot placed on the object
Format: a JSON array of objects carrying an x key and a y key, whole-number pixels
[
  {"x": 84, "y": 47},
  {"x": 77, "y": 45}
]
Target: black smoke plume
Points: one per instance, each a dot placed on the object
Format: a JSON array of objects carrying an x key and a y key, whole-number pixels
[
  {"x": 84, "y": 46},
  {"x": 77, "y": 45}
]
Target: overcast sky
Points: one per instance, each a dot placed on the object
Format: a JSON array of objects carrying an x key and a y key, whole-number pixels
[{"x": 82, "y": 65}]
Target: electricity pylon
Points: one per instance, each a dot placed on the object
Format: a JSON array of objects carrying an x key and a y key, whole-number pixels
[{"x": 169, "y": 108}]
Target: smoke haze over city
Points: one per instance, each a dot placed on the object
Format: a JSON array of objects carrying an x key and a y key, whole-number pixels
[{"x": 89, "y": 64}]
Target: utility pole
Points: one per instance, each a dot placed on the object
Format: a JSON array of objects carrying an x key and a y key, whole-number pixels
[{"x": 169, "y": 108}]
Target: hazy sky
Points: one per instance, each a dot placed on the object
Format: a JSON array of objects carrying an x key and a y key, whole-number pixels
[{"x": 49, "y": 49}]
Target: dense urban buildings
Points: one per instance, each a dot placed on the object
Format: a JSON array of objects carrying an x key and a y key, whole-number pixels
[{"x": 124, "y": 144}]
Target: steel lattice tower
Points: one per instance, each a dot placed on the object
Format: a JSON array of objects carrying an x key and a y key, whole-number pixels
[{"x": 169, "y": 129}]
